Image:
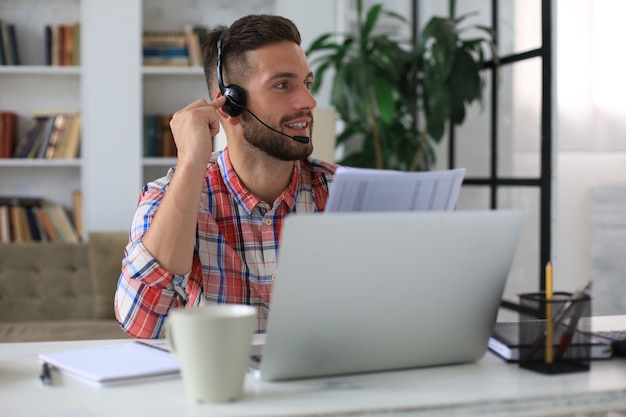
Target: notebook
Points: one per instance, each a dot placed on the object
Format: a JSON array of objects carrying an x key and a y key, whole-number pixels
[
  {"x": 363, "y": 292},
  {"x": 114, "y": 364},
  {"x": 505, "y": 343}
]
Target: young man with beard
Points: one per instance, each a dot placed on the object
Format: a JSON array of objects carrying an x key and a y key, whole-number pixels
[{"x": 211, "y": 227}]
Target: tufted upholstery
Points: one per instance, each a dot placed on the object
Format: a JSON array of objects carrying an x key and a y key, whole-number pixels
[
  {"x": 105, "y": 251},
  {"x": 44, "y": 282},
  {"x": 60, "y": 291}
]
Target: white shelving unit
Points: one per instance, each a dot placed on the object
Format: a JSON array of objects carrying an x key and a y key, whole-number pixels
[
  {"x": 112, "y": 90},
  {"x": 33, "y": 87}
]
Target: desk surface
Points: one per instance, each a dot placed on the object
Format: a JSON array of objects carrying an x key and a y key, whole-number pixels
[{"x": 488, "y": 387}]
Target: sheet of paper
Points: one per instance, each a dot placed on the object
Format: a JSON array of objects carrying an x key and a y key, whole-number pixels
[{"x": 360, "y": 189}]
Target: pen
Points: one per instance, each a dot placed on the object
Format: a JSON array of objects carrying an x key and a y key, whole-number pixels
[
  {"x": 566, "y": 338},
  {"x": 45, "y": 376},
  {"x": 152, "y": 346},
  {"x": 549, "y": 356}
]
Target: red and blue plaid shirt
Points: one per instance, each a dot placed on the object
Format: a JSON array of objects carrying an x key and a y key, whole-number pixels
[{"x": 236, "y": 248}]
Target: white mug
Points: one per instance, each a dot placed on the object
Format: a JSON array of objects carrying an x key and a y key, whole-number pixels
[{"x": 213, "y": 344}]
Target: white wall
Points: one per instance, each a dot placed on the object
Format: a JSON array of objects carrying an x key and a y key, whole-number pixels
[{"x": 591, "y": 126}]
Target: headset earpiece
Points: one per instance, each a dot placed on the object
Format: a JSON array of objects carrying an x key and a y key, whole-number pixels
[
  {"x": 235, "y": 100},
  {"x": 235, "y": 95}
]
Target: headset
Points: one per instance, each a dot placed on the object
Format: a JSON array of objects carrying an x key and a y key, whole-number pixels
[{"x": 236, "y": 97}]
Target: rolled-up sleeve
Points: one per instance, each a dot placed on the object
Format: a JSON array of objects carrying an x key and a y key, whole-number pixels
[{"x": 145, "y": 291}]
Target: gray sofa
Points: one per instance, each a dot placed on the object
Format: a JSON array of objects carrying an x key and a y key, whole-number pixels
[{"x": 59, "y": 291}]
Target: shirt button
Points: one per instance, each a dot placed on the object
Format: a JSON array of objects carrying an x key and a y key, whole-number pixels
[
  {"x": 273, "y": 277},
  {"x": 268, "y": 222}
]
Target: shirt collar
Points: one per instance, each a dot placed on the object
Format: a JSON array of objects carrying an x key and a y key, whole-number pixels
[{"x": 246, "y": 199}]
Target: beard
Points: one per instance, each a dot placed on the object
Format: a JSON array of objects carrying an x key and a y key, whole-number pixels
[{"x": 274, "y": 144}]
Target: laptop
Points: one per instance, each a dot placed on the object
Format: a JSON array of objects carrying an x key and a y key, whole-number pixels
[{"x": 364, "y": 292}]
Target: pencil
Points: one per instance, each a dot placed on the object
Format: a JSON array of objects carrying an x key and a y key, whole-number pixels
[{"x": 549, "y": 323}]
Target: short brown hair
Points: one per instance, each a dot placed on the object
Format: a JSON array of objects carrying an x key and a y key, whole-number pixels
[{"x": 245, "y": 34}]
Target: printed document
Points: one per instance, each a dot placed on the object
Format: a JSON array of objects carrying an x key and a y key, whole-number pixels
[{"x": 361, "y": 189}]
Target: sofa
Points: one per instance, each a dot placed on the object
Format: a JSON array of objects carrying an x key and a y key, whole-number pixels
[{"x": 60, "y": 291}]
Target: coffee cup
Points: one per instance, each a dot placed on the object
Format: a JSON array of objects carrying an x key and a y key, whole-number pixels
[{"x": 213, "y": 344}]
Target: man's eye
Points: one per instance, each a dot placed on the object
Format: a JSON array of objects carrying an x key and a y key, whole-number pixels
[
  {"x": 281, "y": 85},
  {"x": 308, "y": 85}
]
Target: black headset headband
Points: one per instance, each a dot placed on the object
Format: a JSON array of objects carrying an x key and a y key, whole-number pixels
[{"x": 235, "y": 95}]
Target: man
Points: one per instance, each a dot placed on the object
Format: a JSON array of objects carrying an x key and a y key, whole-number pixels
[{"x": 210, "y": 229}]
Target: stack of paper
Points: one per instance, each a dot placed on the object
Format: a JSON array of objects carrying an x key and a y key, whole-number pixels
[{"x": 360, "y": 189}]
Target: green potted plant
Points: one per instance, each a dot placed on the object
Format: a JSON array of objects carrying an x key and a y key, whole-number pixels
[{"x": 395, "y": 96}]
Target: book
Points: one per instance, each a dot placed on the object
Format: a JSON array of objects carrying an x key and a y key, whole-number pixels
[
  {"x": 77, "y": 206},
  {"x": 54, "y": 134},
  {"x": 5, "y": 225},
  {"x": 6, "y": 43},
  {"x": 43, "y": 135},
  {"x": 47, "y": 33},
  {"x": 76, "y": 54},
  {"x": 193, "y": 46},
  {"x": 68, "y": 45},
  {"x": 51, "y": 232},
  {"x": 70, "y": 143},
  {"x": 3, "y": 60},
  {"x": 504, "y": 342},
  {"x": 114, "y": 364},
  {"x": 8, "y": 129},
  {"x": 17, "y": 228},
  {"x": 33, "y": 225},
  {"x": 13, "y": 51}
]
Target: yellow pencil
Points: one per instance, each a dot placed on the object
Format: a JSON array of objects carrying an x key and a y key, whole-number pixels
[{"x": 549, "y": 321}]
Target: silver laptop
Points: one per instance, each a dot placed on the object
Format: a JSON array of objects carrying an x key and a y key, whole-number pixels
[{"x": 362, "y": 292}]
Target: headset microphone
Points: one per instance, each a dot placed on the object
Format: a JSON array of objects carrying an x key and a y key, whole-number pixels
[
  {"x": 301, "y": 139},
  {"x": 236, "y": 97}
]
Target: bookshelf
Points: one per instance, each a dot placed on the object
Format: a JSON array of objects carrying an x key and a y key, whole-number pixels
[
  {"x": 112, "y": 90},
  {"x": 34, "y": 86}
]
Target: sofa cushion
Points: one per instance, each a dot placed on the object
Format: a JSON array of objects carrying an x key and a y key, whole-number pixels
[
  {"x": 106, "y": 251},
  {"x": 44, "y": 281}
]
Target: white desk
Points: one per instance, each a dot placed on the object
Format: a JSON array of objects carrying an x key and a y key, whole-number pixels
[{"x": 489, "y": 387}]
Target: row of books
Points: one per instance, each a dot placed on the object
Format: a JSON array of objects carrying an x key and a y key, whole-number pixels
[
  {"x": 8, "y": 44},
  {"x": 157, "y": 136},
  {"x": 173, "y": 48},
  {"x": 51, "y": 136},
  {"x": 35, "y": 220},
  {"x": 62, "y": 44},
  {"x": 8, "y": 129}
]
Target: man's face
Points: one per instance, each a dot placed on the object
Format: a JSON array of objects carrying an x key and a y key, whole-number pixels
[{"x": 278, "y": 92}]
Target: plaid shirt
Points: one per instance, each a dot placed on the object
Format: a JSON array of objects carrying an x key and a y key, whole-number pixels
[{"x": 235, "y": 252}]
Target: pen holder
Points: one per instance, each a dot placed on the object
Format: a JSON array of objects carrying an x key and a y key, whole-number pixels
[{"x": 571, "y": 337}]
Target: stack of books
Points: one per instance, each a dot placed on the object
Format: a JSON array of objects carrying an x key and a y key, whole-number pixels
[
  {"x": 62, "y": 44},
  {"x": 52, "y": 136},
  {"x": 157, "y": 136},
  {"x": 174, "y": 48},
  {"x": 35, "y": 220},
  {"x": 165, "y": 49}
]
